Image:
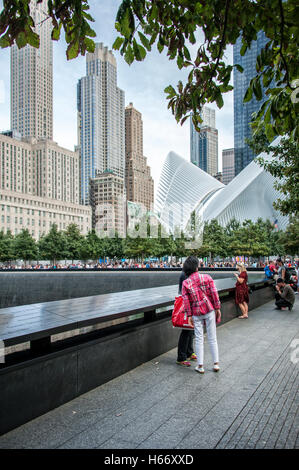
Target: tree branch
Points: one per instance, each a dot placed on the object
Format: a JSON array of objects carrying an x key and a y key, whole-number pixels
[{"x": 281, "y": 42}]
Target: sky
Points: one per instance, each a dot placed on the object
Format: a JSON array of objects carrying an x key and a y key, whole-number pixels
[{"x": 143, "y": 84}]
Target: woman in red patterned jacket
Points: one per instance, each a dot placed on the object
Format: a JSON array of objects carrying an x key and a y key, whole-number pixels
[{"x": 201, "y": 303}]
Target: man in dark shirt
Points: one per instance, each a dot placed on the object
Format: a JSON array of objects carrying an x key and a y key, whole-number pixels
[{"x": 284, "y": 296}]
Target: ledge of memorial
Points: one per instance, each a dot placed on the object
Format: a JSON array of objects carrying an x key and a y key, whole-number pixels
[{"x": 24, "y": 287}]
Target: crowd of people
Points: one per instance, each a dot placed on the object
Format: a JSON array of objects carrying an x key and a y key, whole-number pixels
[{"x": 270, "y": 268}]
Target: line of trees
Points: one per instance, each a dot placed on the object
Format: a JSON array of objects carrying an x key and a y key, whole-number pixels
[{"x": 255, "y": 239}]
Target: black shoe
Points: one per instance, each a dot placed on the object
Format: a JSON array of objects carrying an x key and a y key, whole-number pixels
[{"x": 290, "y": 307}]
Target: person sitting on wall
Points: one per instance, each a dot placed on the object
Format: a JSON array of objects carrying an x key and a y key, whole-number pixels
[{"x": 284, "y": 296}]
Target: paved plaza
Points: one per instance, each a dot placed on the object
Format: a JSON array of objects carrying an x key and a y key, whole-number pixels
[{"x": 253, "y": 402}]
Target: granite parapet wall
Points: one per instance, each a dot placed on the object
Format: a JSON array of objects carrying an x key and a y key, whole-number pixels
[{"x": 24, "y": 288}]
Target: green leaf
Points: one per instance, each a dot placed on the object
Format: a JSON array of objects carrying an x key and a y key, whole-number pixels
[
  {"x": 239, "y": 68},
  {"x": 90, "y": 45},
  {"x": 4, "y": 42},
  {"x": 144, "y": 41},
  {"x": 72, "y": 50},
  {"x": 270, "y": 134},
  {"x": 267, "y": 117},
  {"x": 257, "y": 89},
  {"x": 117, "y": 43},
  {"x": 33, "y": 40},
  {"x": 160, "y": 47},
  {"x": 243, "y": 49},
  {"x": 180, "y": 61},
  {"x": 129, "y": 55},
  {"x": 55, "y": 35},
  {"x": 187, "y": 53},
  {"x": 170, "y": 90},
  {"x": 248, "y": 95},
  {"x": 219, "y": 100},
  {"x": 21, "y": 40}
]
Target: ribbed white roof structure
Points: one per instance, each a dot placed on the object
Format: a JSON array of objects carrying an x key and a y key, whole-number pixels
[
  {"x": 249, "y": 195},
  {"x": 183, "y": 188}
]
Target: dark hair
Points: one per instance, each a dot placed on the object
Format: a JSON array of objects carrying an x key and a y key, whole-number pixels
[
  {"x": 190, "y": 265},
  {"x": 279, "y": 260},
  {"x": 279, "y": 280}
]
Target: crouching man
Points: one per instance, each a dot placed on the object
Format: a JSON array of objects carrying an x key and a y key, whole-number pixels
[{"x": 284, "y": 295}]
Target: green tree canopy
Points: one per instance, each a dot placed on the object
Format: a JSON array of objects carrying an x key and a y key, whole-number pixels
[
  {"x": 7, "y": 252},
  {"x": 290, "y": 238},
  {"x": 73, "y": 242},
  {"x": 113, "y": 247},
  {"x": 91, "y": 246},
  {"x": 25, "y": 246},
  {"x": 284, "y": 166},
  {"x": 53, "y": 245},
  {"x": 214, "y": 239}
]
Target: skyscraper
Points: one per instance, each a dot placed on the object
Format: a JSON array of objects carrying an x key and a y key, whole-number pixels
[
  {"x": 204, "y": 144},
  {"x": 32, "y": 81},
  {"x": 139, "y": 183},
  {"x": 101, "y": 119},
  {"x": 228, "y": 165},
  {"x": 39, "y": 181},
  {"x": 243, "y": 111},
  {"x": 108, "y": 202}
]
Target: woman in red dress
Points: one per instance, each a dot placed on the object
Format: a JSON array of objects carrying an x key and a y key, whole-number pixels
[{"x": 242, "y": 294}]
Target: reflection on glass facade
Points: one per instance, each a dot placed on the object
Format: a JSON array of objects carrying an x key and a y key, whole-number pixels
[
  {"x": 243, "y": 111},
  {"x": 228, "y": 165},
  {"x": 101, "y": 119},
  {"x": 204, "y": 144}
]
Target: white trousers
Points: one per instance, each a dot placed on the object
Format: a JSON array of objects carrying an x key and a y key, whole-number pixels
[{"x": 211, "y": 333}]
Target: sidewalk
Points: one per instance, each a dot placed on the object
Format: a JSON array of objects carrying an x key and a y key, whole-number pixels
[{"x": 253, "y": 402}]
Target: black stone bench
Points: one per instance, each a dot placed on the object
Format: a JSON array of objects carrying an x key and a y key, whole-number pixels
[
  {"x": 36, "y": 323},
  {"x": 50, "y": 374}
]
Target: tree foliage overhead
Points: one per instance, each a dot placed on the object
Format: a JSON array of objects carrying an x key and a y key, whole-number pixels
[
  {"x": 174, "y": 26},
  {"x": 284, "y": 166},
  {"x": 17, "y": 25},
  {"x": 177, "y": 26}
]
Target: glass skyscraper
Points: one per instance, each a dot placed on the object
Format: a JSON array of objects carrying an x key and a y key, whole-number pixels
[
  {"x": 101, "y": 119},
  {"x": 243, "y": 111},
  {"x": 204, "y": 144}
]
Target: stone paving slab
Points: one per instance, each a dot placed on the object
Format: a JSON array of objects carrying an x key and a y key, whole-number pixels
[{"x": 253, "y": 402}]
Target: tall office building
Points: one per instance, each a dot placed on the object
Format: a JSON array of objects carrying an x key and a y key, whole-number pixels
[
  {"x": 39, "y": 186},
  {"x": 204, "y": 144},
  {"x": 139, "y": 183},
  {"x": 39, "y": 180},
  {"x": 32, "y": 81},
  {"x": 243, "y": 111},
  {"x": 101, "y": 119},
  {"x": 228, "y": 165},
  {"x": 108, "y": 203}
]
